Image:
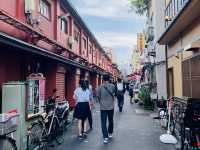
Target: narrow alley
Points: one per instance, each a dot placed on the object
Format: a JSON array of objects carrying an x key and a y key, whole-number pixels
[{"x": 135, "y": 129}]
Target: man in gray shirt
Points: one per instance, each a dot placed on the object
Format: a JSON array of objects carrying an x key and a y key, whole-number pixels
[{"x": 105, "y": 95}]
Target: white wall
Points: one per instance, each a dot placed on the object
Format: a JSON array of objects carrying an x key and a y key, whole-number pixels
[{"x": 159, "y": 28}]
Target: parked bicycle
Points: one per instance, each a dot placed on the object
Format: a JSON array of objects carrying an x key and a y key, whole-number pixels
[
  {"x": 8, "y": 125},
  {"x": 190, "y": 130},
  {"x": 50, "y": 124},
  {"x": 163, "y": 115}
]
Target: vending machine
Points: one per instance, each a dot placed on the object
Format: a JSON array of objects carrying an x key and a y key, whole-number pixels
[
  {"x": 13, "y": 97},
  {"x": 27, "y": 98}
]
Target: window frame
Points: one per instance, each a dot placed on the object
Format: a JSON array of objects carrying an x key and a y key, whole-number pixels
[
  {"x": 84, "y": 43},
  {"x": 90, "y": 49},
  {"x": 64, "y": 22},
  {"x": 43, "y": 3},
  {"x": 76, "y": 35}
]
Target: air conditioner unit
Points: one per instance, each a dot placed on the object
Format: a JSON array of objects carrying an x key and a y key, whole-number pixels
[
  {"x": 29, "y": 6},
  {"x": 70, "y": 41}
]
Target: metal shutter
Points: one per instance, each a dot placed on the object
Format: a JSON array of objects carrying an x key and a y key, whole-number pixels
[
  {"x": 191, "y": 77},
  {"x": 186, "y": 78},
  {"x": 60, "y": 84},
  {"x": 195, "y": 76}
]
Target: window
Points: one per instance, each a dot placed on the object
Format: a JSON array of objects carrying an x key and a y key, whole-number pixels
[
  {"x": 76, "y": 35},
  {"x": 64, "y": 25},
  {"x": 90, "y": 49},
  {"x": 45, "y": 9},
  {"x": 35, "y": 97},
  {"x": 84, "y": 43}
]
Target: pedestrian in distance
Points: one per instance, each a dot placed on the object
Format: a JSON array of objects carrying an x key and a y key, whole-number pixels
[
  {"x": 120, "y": 94},
  {"x": 131, "y": 87},
  {"x": 105, "y": 95},
  {"x": 82, "y": 109}
]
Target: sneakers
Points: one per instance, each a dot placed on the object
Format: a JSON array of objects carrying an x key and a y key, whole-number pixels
[
  {"x": 110, "y": 136},
  {"x": 85, "y": 134},
  {"x": 80, "y": 137},
  {"x": 105, "y": 141}
]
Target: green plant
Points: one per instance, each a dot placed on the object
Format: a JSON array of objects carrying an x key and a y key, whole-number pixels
[
  {"x": 140, "y": 6},
  {"x": 144, "y": 96}
]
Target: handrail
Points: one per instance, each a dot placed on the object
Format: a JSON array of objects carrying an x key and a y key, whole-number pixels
[{"x": 173, "y": 8}]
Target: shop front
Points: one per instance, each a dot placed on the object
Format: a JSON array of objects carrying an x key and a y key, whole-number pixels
[{"x": 28, "y": 76}]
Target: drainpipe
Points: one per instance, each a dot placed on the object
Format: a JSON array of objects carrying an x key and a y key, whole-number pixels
[{"x": 167, "y": 75}]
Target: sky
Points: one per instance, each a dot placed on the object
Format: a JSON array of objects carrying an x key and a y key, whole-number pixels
[{"x": 113, "y": 24}]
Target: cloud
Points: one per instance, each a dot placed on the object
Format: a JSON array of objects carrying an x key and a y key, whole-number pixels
[
  {"x": 121, "y": 43},
  {"x": 114, "y": 39},
  {"x": 106, "y": 9},
  {"x": 113, "y": 24}
]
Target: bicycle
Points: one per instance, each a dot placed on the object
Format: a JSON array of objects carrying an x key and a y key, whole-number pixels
[
  {"x": 190, "y": 129},
  {"x": 8, "y": 125},
  {"x": 163, "y": 115},
  {"x": 51, "y": 123}
]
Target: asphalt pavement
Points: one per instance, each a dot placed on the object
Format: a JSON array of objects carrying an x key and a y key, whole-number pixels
[{"x": 134, "y": 129}]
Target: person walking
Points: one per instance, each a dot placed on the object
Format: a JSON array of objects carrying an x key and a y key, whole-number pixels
[
  {"x": 120, "y": 94},
  {"x": 105, "y": 96},
  {"x": 131, "y": 87},
  {"x": 82, "y": 109},
  {"x": 90, "y": 120}
]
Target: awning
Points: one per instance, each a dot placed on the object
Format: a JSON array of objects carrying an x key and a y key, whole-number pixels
[
  {"x": 14, "y": 42},
  {"x": 192, "y": 46}
]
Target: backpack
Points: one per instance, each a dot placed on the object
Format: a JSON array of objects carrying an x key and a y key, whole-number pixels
[{"x": 120, "y": 87}]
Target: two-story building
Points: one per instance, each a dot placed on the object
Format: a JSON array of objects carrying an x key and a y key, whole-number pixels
[
  {"x": 49, "y": 37},
  {"x": 182, "y": 40}
]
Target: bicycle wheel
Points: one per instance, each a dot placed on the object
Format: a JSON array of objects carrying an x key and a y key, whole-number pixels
[
  {"x": 186, "y": 146},
  {"x": 172, "y": 124},
  {"x": 65, "y": 121},
  {"x": 7, "y": 143},
  {"x": 35, "y": 134},
  {"x": 57, "y": 132}
]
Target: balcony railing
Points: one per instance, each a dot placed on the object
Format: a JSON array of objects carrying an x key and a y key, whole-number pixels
[{"x": 173, "y": 9}]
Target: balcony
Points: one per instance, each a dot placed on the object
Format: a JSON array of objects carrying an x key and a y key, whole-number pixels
[
  {"x": 174, "y": 8},
  {"x": 179, "y": 14}
]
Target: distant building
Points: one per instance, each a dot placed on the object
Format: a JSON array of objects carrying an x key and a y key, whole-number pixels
[
  {"x": 136, "y": 60},
  {"x": 141, "y": 42},
  {"x": 109, "y": 52}
]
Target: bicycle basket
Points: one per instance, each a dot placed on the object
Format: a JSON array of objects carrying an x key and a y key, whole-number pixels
[{"x": 8, "y": 123}]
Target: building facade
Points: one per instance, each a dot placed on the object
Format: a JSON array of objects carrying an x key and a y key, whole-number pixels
[
  {"x": 49, "y": 37},
  {"x": 181, "y": 36},
  {"x": 155, "y": 51}
]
